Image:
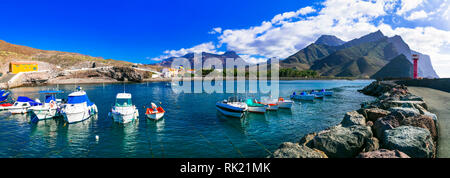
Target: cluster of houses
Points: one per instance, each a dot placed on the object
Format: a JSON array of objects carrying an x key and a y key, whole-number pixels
[{"x": 178, "y": 71}]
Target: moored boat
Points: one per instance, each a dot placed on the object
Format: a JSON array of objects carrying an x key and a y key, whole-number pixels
[
  {"x": 78, "y": 107},
  {"x": 323, "y": 92},
  {"x": 123, "y": 110},
  {"x": 255, "y": 107},
  {"x": 232, "y": 107},
  {"x": 271, "y": 104},
  {"x": 155, "y": 112},
  {"x": 50, "y": 108},
  {"x": 284, "y": 104},
  {"x": 22, "y": 105},
  {"x": 303, "y": 96}
]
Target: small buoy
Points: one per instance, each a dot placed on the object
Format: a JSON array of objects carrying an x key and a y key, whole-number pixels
[{"x": 97, "y": 138}]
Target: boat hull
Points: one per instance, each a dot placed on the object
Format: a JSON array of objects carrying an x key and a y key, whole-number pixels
[
  {"x": 257, "y": 109},
  {"x": 43, "y": 114},
  {"x": 155, "y": 116},
  {"x": 272, "y": 107},
  {"x": 74, "y": 117},
  {"x": 303, "y": 97},
  {"x": 17, "y": 110},
  {"x": 285, "y": 104},
  {"x": 124, "y": 118},
  {"x": 235, "y": 114}
]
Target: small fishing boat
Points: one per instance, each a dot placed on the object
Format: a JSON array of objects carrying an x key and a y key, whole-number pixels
[
  {"x": 317, "y": 95},
  {"x": 271, "y": 104},
  {"x": 4, "y": 95},
  {"x": 254, "y": 107},
  {"x": 232, "y": 107},
  {"x": 4, "y": 104},
  {"x": 303, "y": 96},
  {"x": 155, "y": 112},
  {"x": 284, "y": 104},
  {"x": 78, "y": 107},
  {"x": 22, "y": 105},
  {"x": 50, "y": 108},
  {"x": 124, "y": 111},
  {"x": 323, "y": 92}
]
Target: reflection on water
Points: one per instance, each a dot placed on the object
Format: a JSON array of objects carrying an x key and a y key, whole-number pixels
[{"x": 190, "y": 128}]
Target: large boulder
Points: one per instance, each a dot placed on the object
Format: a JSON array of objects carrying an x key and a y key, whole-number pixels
[
  {"x": 373, "y": 114},
  {"x": 422, "y": 121},
  {"x": 404, "y": 104},
  {"x": 407, "y": 112},
  {"x": 371, "y": 145},
  {"x": 342, "y": 142},
  {"x": 353, "y": 118},
  {"x": 295, "y": 150},
  {"x": 307, "y": 140},
  {"x": 386, "y": 123},
  {"x": 383, "y": 153},
  {"x": 416, "y": 142}
]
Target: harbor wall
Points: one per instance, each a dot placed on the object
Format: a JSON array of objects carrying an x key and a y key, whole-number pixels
[{"x": 442, "y": 84}]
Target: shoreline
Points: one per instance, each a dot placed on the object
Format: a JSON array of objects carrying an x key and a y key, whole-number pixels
[
  {"x": 73, "y": 81},
  {"x": 397, "y": 124}
]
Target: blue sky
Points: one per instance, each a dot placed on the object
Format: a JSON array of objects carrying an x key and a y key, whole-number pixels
[
  {"x": 131, "y": 31},
  {"x": 148, "y": 31}
]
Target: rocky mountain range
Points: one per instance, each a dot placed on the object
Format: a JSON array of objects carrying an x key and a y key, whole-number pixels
[{"x": 362, "y": 57}]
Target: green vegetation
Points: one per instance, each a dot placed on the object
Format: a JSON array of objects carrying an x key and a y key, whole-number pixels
[{"x": 296, "y": 73}]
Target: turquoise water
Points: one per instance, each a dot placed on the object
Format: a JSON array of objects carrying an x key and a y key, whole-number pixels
[{"x": 191, "y": 127}]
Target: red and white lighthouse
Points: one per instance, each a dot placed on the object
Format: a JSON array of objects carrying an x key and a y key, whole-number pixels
[{"x": 415, "y": 59}]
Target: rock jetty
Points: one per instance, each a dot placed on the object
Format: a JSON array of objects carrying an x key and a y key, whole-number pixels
[{"x": 396, "y": 125}]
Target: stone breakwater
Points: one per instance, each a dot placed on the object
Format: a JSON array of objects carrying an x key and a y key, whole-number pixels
[{"x": 396, "y": 125}]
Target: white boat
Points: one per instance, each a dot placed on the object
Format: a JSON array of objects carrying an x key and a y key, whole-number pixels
[
  {"x": 271, "y": 104},
  {"x": 323, "y": 92},
  {"x": 254, "y": 107},
  {"x": 124, "y": 111},
  {"x": 50, "y": 108},
  {"x": 155, "y": 112},
  {"x": 22, "y": 105},
  {"x": 303, "y": 96},
  {"x": 284, "y": 104},
  {"x": 78, "y": 107},
  {"x": 232, "y": 107}
]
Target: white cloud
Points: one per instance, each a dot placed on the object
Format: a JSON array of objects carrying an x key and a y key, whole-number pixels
[
  {"x": 408, "y": 5},
  {"x": 288, "y": 32},
  {"x": 287, "y": 15},
  {"x": 204, "y": 47},
  {"x": 216, "y": 30},
  {"x": 417, "y": 15}
]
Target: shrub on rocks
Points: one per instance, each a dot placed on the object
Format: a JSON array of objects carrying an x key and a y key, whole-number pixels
[
  {"x": 295, "y": 150},
  {"x": 353, "y": 118},
  {"x": 416, "y": 142},
  {"x": 383, "y": 153},
  {"x": 342, "y": 142}
]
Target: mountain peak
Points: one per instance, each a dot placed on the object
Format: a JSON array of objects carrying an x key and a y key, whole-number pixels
[
  {"x": 329, "y": 40},
  {"x": 371, "y": 37}
]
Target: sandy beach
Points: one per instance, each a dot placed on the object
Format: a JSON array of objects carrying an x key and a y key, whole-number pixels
[{"x": 438, "y": 103}]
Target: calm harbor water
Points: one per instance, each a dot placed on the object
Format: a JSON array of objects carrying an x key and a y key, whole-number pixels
[{"x": 191, "y": 127}]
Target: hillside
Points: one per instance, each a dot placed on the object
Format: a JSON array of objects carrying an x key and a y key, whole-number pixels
[
  {"x": 361, "y": 57},
  {"x": 329, "y": 40},
  {"x": 306, "y": 57},
  {"x": 190, "y": 57},
  {"x": 399, "y": 67},
  {"x": 11, "y": 52},
  {"x": 357, "y": 61}
]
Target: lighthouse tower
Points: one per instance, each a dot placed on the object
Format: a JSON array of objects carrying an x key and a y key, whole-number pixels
[{"x": 415, "y": 59}]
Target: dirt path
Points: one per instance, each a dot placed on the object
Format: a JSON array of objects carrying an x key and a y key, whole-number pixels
[{"x": 438, "y": 103}]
